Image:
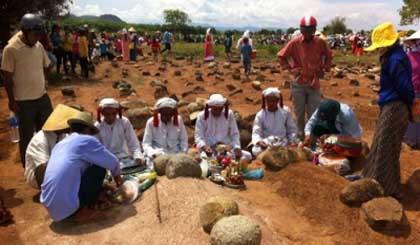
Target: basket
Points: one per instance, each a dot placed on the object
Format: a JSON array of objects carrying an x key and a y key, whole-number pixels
[{"x": 254, "y": 54}]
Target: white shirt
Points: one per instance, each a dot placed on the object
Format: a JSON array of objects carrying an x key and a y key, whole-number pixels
[
  {"x": 164, "y": 139},
  {"x": 279, "y": 124},
  {"x": 38, "y": 152},
  {"x": 217, "y": 129},
  {"x": 119, "y": 138}
]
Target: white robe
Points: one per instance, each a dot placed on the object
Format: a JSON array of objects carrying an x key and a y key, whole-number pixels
[
  {"x": 38, "y": 153},
  {"x": 164, "y": 139},
  {"x": 274, "y": 128},
  {"x": 119, "y": 138}
]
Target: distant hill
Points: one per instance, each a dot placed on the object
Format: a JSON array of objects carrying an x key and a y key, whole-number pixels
[{"x": 108, "y": 17}]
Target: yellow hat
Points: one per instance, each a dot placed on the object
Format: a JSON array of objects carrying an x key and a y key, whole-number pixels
[
  {"x": 58, "y": 118},
  {"x": 85, "y": 118},
  {"x": 383, "y": 36},
  {"x": 131, "y": 29}
]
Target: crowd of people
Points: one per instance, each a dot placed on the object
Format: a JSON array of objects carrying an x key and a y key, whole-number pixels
[{"x": 66, "y": 154}]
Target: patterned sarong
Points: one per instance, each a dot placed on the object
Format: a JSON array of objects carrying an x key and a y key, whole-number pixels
[{"x": 383, "y": 162}]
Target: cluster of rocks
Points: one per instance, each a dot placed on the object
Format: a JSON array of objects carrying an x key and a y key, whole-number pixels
[
  {"x": 379, "y": 212},
  {"x": 177, "y": 165},
  {"x": 277, "y": 158},
  {"x": 220, "y": 217},
  {"x": 124, "y": 88}
]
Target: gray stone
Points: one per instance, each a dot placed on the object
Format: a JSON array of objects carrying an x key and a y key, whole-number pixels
[
  {"x": 177, "y": 73},
  {"x": 68, "y": 91},
  {"x": 256, "y": 85},
  {"x": 182, "y": 165},
  {"x": 199, "y": 78},
  {"x": 226, "y": 65},
  {"x": 354, "y": 82},
  {"x": 146, "y": 73},
  {"x": 278, "y": 157},
  {"x": 161, "y": 92},
  {"x": 236, "y": 76},
  {"x": 193, "y": 107},
  {"x": 236, "y": 230},
  {"x": 139, "y": 116},
  {"x": 230, "y": 87},
  {"x": 237, "y": 91},
  {"x": 361, "y": 191},
  {"x": 160, "y": 163},
  {"x": 384, "y": 213}
]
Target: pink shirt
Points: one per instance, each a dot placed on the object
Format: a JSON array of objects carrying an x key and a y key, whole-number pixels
[{"x": 415, "y": 65}]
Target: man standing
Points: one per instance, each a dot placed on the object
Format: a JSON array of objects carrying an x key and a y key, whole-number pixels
[
  {"x": 167, "y": 41},
  {"x": 23, "y": 65},
  {"x": 307, "y": 57}
]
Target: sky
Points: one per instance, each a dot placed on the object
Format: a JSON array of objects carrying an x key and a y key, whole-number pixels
[{"x": 359, "y": 14}]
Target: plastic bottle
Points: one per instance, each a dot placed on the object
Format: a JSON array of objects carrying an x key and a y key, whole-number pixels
[{"x": 14, "y": 128}]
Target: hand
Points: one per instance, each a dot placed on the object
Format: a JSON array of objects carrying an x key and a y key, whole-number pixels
[
  {"x": 324, "y": 137},
  {"x": 207, "y": 150},
  {"x": 238, "y": 153},
  {"x": 140, "y": 161},
  {"x": 118, "y": 180},
  {"x": 262, "y": 144},
  {"x": 13, "y": 106},
  {"x": 307, "y": 141}
]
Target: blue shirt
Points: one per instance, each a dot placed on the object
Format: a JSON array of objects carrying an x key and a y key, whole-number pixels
[
  {"x": 69, "y": 159},
  {"x": 396, "y": 78},
  {"x": 246, "y": 51},
  {"x": 346, "y": 122},
  {"x": 166, "y": 37}
]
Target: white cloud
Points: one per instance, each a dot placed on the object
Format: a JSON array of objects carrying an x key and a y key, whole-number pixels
[{"x": 237, "y": 13}]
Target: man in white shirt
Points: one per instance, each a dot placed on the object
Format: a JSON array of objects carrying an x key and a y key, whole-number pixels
[
  {"x": 165, "y": 132},
  {"x": 117, "y": 134},
  {"x": 217, "y": 125},
  {"x": 39, "y": 148},
  {"x": 273, "y": 124}
]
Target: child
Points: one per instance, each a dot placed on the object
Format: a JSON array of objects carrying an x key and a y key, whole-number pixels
[
  {"x": 246, "y": 51},
  {"x": 228, "y": 45},
  {"x": 155, "y": 45}
]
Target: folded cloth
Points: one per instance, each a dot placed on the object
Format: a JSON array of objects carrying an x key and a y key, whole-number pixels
[{"x": 254, "y": 174}]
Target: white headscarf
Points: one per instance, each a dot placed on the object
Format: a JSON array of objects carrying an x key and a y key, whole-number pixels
[
  {"x": 109, "y": 103},
  {"x": 166, "y": 102},
  {"x": 246, "y": 34},
  {"x": 208, "y": 32},
  {"x": 271, "y": 91},
  {"x": 216, "y": 100}
]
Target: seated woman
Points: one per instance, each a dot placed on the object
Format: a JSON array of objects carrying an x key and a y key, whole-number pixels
[
  {"x": 273, "y": 124},
  {"x": 217, "y": 125},
  {"x": 117, "y": 134},
  {"x": 165, "y": 132},
  {"x": 332, "y": 117}
]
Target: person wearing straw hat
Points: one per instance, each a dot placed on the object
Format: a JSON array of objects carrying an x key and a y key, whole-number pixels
[
  {"x": 412, "y": 135},
  {"x": 307, "y": 57},
  {"x": 117, "y": 134},
  {"x": 76, "y": 170},
  {"x": 125, "y": 44},
  {"x": 165, "y": 132},
  {"x": 40, "y": 147},
  {"x": 273, "y": 124},
  {"x": 217, "y": 125},
  {"x": 133, "y": 43},
  {"x": 395, "y": 100}
]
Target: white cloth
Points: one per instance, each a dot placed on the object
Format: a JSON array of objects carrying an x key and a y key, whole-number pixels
[
  {"x": 240, "y": 43},
  {"x": 166, "y": 103},
  {"x": 217, "y": 129},
  {"x": 216, "y": 100},
  {"x": 38, "y": 153},
  {"x": 271, "y": 91},
  {"x": 208, "y": 31},
  {"x": 119, "y": 138},
  {"x": 164, "y": 139},
  {"x": 274, "y": 128},
  {"x": 109, "y": 103}
]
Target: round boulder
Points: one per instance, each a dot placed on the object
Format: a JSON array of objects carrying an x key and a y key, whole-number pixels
[
  {"x": 384, "y": 213},
  {"x": 361, "y": 191},
  {"x": 182, "y": 165},
  {"x": 236, "y": 230},
  {"x": 139, "y": 116},
  {"x": 160, "y": 162},
  {"x": 230, "y": 207},
  {"x": 210, "y": 213}
]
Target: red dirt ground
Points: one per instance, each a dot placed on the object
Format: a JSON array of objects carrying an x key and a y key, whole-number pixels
[{"x": 296, "y": 205}]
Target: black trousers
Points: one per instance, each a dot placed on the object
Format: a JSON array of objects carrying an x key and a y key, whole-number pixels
[
  {"x": 68, "y": 57},
  {"x": 84, "y": 66},
  {"x": 59, "y": 54},
  {"x": 32, "y": 115},
  {"x": 91, "y": 185},
  {"x": 167, "y": 47}
]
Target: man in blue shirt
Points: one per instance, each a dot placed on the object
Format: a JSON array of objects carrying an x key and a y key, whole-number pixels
[
  {"x": 167, "y": 41},
  {"x": 246, "y": 51},
  {"x": 76, "y": 170}
]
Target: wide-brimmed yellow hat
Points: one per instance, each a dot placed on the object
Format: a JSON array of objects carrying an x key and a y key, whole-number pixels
[
  {"x": 383, "y": 36},
  {"x": 84, "y": 118},
  {"x": 58, "y": 118},
  {"x": 131, "y": 29}
]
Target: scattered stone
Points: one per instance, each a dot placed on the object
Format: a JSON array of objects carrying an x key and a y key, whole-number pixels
[
  {"x": 219, "y": 78},
  {"x": 158, "y": 83},
  {"x": 274, "y": 71},
  {"x": 339, "y": 93},
  {"x": 157, "y": 74},
  {"x": 286, "y": 84},
  {"x": 162, "y": 68},
  {"x": 179, "y": 57},
  {"x": 211, "y": 65},
  {"x": 249, "y": 99},
  {"x": 193, "y": 107},
  {"x": 256, "y": 85},
  {"x": 230, "y": 87},
  {"x": 182, "y": 103},
  {"x": 261, "y": 77},
  {"x": 160, "y": 92},
  {"x": 414, "y": 181},
  {"x": 356, "y": 94},
  {"x": 237, "y": 91},
  {"x": 199, "y": 89},
  {"x": 187, "y": 93},
  {"x": 339, "y": 74},
  {"x": 215, "y": 209},
  {"x": 370, "y": 76},
  {"x": 136, "y": 66},
  {"x": 114, "y": 64},
  {"x": 146, "y": 73},
  {"x": 131, "y": 104},
  {"x": 139, "y": 116},
  {"x": 384, "y": 213},
  {"x": 177, "y": 73},
  {"x": 182, "y": 165},
  {"x": 226, "y": 65},
  {"x": 68, "y": 91},
  {"x": 236, "y": 230},
  {"x": 360, "y": 191},
  {"x": 160, "y": 163},
  {"x": 235, "y": 60},
  {"x": 333, "y": 84},
  {"x": 124, "y": 72},
  {"x": 236, "y": 76},
  {"x": 354, "y": 82},
  {"x": 199, "y": 78}
]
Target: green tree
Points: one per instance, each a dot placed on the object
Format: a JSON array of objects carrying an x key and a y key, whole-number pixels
[
  {"x": 410, "y": 12},
  {"x": 12, "y": 10},
  {"x": 176, "y": 18},
  {"x": 336, "y": 26},
  {"x": 290, "y": 30}
]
